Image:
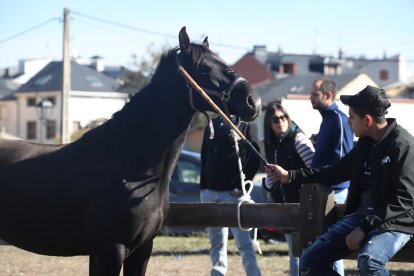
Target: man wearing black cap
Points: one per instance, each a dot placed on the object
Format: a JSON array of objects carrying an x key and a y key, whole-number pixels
[{"x": 379, "y": 213}]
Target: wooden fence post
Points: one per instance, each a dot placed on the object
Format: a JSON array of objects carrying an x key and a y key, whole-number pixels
[{"x": 316, "y": 213}]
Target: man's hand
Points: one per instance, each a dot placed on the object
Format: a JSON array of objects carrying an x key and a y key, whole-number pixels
[
  {"x": 277, "y": 173},
  {"x": 354, "y": 239}
]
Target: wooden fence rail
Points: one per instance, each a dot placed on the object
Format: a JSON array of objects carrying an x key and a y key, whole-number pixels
[
  {"x": 258, "y": 215},
  {"x": 306, "y": 220}
]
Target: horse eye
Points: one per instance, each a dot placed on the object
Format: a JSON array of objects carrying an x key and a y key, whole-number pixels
[{"x": 204, "y": 69}]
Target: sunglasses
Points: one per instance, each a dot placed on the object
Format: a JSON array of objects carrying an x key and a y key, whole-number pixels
[{"x": 276, "y": 119}]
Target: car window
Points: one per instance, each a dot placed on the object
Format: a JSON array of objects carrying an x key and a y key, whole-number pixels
[
  {"x": 187, "y": 172},
  {"x": 176, "y": 174}
]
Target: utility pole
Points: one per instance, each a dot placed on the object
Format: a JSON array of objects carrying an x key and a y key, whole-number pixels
[{"x": 66, "y": 80}]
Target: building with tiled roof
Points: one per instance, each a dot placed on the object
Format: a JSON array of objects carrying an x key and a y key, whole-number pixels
[
  {"x": 252, "y": 70},
  {"x": 92, "y": 95}
]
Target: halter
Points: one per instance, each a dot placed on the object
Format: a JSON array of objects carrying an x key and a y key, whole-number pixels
[{"x": 224, "y": 95}]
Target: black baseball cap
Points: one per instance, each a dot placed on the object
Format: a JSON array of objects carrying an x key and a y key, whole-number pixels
[{"x": 371, "y": 99}]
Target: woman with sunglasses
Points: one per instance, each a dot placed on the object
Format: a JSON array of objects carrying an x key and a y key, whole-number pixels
[{"x": 285, "y": 143}]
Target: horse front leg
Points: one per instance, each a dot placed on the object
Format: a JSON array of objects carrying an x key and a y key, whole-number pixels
[
  {"x": 107, "y": 261},
  {"x": 136, "y": 263}
]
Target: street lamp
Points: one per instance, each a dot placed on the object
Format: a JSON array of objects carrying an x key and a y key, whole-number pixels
[{"x": 43, "y": 109}]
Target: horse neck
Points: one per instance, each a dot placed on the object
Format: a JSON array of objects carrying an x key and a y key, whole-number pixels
[
  {"x": 168, "y": 114},
  {"x": 152, "y": 126}
]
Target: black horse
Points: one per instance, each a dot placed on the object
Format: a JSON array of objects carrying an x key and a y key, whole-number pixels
[{"x": 106, "y": 194}]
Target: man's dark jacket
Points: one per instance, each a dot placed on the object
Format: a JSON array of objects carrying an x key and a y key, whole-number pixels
[
  {"x": 219, "y": 167},
  {"x": 392, "y": 179}
]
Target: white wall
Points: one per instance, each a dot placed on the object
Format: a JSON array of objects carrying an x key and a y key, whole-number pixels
[
  {"x": 7, "y": 116},
  {"x": 84, "y": 107},
  {"x": 303, "y": 114},
  {"x": 403, "y": 111},
  {"x": 308, "y": 119}
]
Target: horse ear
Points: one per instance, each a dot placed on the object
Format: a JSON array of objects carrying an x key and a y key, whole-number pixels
[
  {"x": 184, "y": 40},
  {"x": 205, "y": 42}
]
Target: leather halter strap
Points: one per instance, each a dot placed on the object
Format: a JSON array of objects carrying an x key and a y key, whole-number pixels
[{"x": 224, "y": 95}]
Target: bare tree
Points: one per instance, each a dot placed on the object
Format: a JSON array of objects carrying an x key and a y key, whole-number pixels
[{"x": 142, "y": 69}]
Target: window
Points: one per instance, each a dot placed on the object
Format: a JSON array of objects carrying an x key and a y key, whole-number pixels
[
  {"x": 50, "y": 129},
  {"x": 383, "y": 75},
  {"x": 94, "y": 81},
  {"x": 288, "y": 68},
  {"x": 31, "y": 130},
  {"x": 43, "y": 80},
  {"x": 31, "y": 101},
  {"x": 186, "y": 172},
  {"x": 331, "y": 70}
]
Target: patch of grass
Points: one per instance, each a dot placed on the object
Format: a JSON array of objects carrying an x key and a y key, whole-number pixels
[{"x": 165, "y": 245}]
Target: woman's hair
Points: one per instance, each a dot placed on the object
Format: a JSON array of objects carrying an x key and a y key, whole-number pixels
[{"x": 269, "y": 135}]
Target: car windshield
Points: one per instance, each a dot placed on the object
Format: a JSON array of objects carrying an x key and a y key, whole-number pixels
[{"x": 186, "y": 172}]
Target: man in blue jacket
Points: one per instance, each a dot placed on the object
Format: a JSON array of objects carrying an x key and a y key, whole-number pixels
[
  {"x": 335, "y": 137},
  {"x": 334, "y": 140}
]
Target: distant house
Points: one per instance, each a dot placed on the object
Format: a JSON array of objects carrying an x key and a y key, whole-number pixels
[
  {"x": 7, "y": 105},
  {"x": 26, "y": 69},
  {"x": 287, "y": 78},
  {"x": 401, "y": 89},
  {"x": 260, "y": 62},
  {"x": 252, "y": 70},
  {"x": 93, "y": 95},
  {"x": 299, "y": 86}
]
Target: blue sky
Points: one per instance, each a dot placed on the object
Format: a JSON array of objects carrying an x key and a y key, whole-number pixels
[{"x": 361, "y": 27}]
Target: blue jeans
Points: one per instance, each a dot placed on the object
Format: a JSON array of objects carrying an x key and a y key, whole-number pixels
[
  {"x": 340, "y": 198},
  {"x": 376, "y": 250},
  {"x": 219, "y": 235},
  {"x": 293, "y": 261}
]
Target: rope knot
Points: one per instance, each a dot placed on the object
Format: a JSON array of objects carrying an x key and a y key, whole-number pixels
[{"x": 247, "y": 188}]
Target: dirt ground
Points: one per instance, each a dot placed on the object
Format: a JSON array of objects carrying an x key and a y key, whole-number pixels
[{"x": 171, "y": 256}]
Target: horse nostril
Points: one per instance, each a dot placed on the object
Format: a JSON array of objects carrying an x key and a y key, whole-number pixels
[
  {"x": 250, "y": 101},
  {"x": 253, "y": 101}
]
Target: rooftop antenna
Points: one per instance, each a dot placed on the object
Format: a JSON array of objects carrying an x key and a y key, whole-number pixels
[
  {"x": 341, "y": 51},
  {"x": 317, "y": 42}
]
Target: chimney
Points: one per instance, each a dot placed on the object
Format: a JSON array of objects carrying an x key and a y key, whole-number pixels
[
  {"x": 260, "y": 53},
  {"x": 97, "y": 63}
]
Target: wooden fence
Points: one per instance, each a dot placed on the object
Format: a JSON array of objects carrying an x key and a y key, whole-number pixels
[{"x": 306, "y": 220}]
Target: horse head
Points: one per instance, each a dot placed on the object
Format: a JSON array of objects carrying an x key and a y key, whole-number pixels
[{"x": 229, "y": 91}]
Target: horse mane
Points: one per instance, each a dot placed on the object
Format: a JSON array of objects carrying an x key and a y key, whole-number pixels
[{"x": 106, "y": 139}]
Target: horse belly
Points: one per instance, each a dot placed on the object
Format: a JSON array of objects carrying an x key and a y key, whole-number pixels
[
  {"x": 44, "y": 231},
  {"x": 42, "y": 220}
]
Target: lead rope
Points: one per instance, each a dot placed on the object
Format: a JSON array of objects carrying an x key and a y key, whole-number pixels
[{"x": 245, "y": 198}]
